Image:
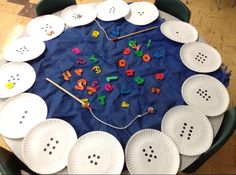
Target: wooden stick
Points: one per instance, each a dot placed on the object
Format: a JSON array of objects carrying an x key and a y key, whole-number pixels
[
  {"x": 134, "y": 33},
  {"x": 70, "y": 94}
]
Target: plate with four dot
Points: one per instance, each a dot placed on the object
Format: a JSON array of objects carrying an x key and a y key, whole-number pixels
[
  {"x": 20, "y": 113},
  {"x": 189, "y": 128},
  {"x": 200, "y": 57},
  {"x": 46, "y": 147},
  {"x": 150, "y": 151},
  {"x": 96, "y": 152},
  {"x": 206, "y": 93}
]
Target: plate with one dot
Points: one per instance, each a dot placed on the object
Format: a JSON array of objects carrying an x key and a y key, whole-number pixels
[
  {"x": 20, "y": 113},
  {"x": 206, "y": 93},
  {"x": 15, "y": 78},
  {"x": 96, "y": 152},
  {"x": 45, "y": 27},
  {"x": 24, "y": 49},
  {"x": 46, "y": 147},
  {"x": 179, "y": 31},
  {"x": 78, "y": 15},
  {"x": 189, "y": 128},
  {"x": 200, "y": 57},
  {"x": 150, "y": 151}
]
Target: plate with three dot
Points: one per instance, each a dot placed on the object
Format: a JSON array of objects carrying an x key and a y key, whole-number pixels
[
  {"x": 206, "y": 93},
  {"x": 96, "y": 152},
  {"x": 46, "y": 147},
  {"x": 189, "y": 128},
  {"x": 150, "y": 151},
  {"x": 200, "y": 57}
]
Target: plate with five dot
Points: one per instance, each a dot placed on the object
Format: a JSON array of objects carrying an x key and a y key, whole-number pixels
[
  {"x": 206, "y": 93},
  {"x": 179, "y": 31},
  {"x": 46, "y": 147},
  {"x": 189, "y": 128},
  {"x": 20, "y": 113},
  {"x": 96, "y": 152},
  {"x": 150, "y": 151},
  {"x": 200, "y": 57},
  {"x": 24, "y": 49}
]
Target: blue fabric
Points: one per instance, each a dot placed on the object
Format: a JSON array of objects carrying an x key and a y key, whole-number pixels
[{"x": 59, "y": 57}]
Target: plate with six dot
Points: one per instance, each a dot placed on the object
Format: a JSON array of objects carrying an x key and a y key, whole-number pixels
[
  {"x": 189, "y": 128},
  {"x": 20, "y": 113},
  {"x": 150, "y": 151},
  {"x": 179, "y": 31},
  {"x": 206, "y": 93},
  {"x": 96, "y": 152},
  {"x": 24, "y": 49},
  {"x": 46, "y": 147},
  {"x": 15, "y": 78},
  {"x": 200, "y": 57}
]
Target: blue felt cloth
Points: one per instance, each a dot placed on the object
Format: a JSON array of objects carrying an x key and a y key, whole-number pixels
[{"x": 59, "y": 57}]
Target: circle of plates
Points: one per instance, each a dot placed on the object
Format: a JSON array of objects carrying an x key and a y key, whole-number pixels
[
  {"x": 96, "y": 152},
  {"x": 20, "y": 113},
  {"x": 46, "y": 147},
  {"x": 78, "y": 15},
  {"x": 111, "y": 10},
  {"x": 206, "y": 93},
  {"x": 179, "y": 31},
  {"x": 24, "y": 49},
  {"x": 45, "y": 27},
  {"x": 22, "y": 74},
  {"x": 189, "y": 128},
  {"x": 200, "y": 57},
  {"x": 151, "y": 152},
  {"x": 142, "y": 13}
]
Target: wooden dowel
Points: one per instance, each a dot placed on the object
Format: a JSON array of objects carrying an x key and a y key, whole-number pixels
[
  {"x": 67, "y": 92},
  {"x": 134, "y": 33}
]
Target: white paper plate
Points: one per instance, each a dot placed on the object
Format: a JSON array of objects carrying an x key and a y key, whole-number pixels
[
  {"x": 111, "y": 10},
  {"x": 21, "y": 74},
  {"x": 21, "y": 113},
  {"x": 200, "y": 57},
  {"x": 24, "y": 49},
  {"x": 78, "y": 15},
  {"x": 189, "y": 128},
  {"x": 142, "y": 13},
  {"x": 96, "y": 153},
  {"x": 179, "y": 31},
  {"x": 45, "y": 27},
  {"x": 151, "y": 152},
  {"x": 205, "y": 93},
  {"x": 46, "y": 147}
]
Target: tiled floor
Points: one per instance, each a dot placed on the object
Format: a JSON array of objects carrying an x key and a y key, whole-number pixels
[{"x": 217, "y": 27}]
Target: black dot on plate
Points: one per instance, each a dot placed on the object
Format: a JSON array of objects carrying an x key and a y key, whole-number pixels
[
  {"x": 182, "y": 131},
  {"x": 144, "y": 150},
  {"x": 98, "y": 157},
  {"x": 23, "y": 116},
  {"x": 177, "y": 32},
  {"x": 94, "y": 155},
  {"x": 189, "y": 134},
  {"x": 53, "y": 147},
  {"x": 191, "y": 127},
  {"x": 209, "y": 96},
  {"x": 50, "y": 152},
  {"x": 190, "y": 130},
  {"x": 48, "y": 144},
  {"x": 152, "y": 151},
  {"x": 44, "y": 149},
  {"x": 181, "y": 135},
  {"x": 150, "y": 147},
  {"x": 155, "y": 157},
  {"x": 146, "y": 154},
  {"x": 26, "y": 112},
  {"x": 20, "y": 122},
  {"x": 150, "y": 155},
  {"x": 149, "y": 160},
  {"x": 89, "y": 157},
  {"x": 57, "y": 142},
  {"x": 91, "y": 161},
  {"x": 95, "y": 163},
  {"x": 188, "y": 138},
  {"x": 184, "y": 127},
  {"x": 51, "y": 139}
]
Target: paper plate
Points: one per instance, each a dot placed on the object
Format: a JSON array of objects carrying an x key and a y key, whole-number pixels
[
  {"x": 21, "y": 113},
  {"x": 179, "y": 31},
  {"x": 151, "y": 152},
  {"x": 46, "y": 147},
  {"x": 24, "y": 49},
  {"x": 45, "y": 27},
  {"x": 78, "y": 15},
  {"x": 96, "y": 153},
  {"x": 189, "y": 128},
  {"x": 205, "y": 93},
  {"x": 200, "y": 57},
  {"x": 15, "y": 78},
  {"x": 111, "y": 10},
  {"x": 142, "y": 13}
]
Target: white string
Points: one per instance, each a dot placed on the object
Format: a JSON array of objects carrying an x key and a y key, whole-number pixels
[
  {"x": 117, "y": 127},
  {"x": 103, "y": 30}
]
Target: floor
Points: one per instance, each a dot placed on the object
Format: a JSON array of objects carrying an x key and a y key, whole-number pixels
[{"x": 216, "y": 26}]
